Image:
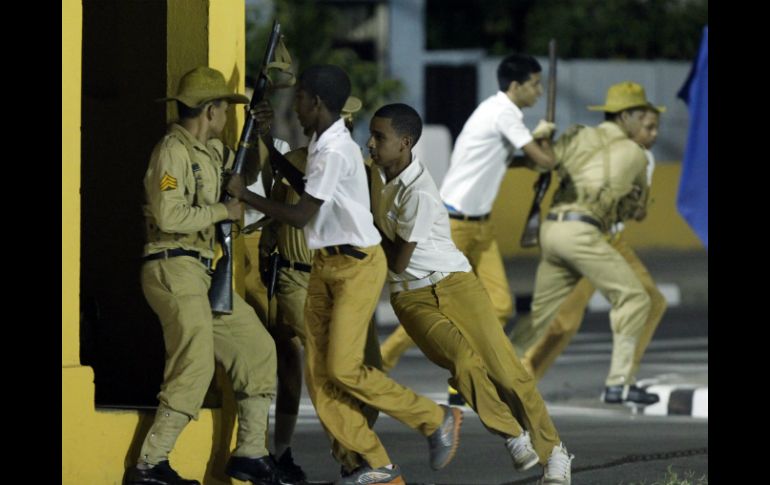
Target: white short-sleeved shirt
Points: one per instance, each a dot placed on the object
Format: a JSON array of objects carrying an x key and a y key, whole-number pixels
[
  {"x": 410, "y": 206},
  {"x": 619, "y": 226},
  {"x": 336, "y": 175},
  {"x": 251, "y": 215},
  {"x": 481, "y": 154}
]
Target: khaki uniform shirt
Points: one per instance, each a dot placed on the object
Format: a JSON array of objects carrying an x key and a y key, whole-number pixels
[
  {"x": 598, "y": 167},
  {"x": 290, "y": 240},
  {"x": 182, "y": 187}
]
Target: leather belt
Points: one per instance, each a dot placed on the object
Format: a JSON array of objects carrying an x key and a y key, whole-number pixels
[
  {"x": 285, "y": 263},
  {"x": 463, "y": 217},
  {"x": 172, "y": 253},
  {"x": 345, "y": 249},
  {"x": 574, "y": 216},
  {"x": 429, "y": 280}
]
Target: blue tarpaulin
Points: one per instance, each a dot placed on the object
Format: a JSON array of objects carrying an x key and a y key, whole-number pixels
[{"x": 692, "y": 199}]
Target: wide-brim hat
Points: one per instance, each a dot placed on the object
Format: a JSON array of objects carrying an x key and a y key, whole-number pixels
[
  {"x": 352, "y": 105},
  {"x": 204, "y": 84},
  {"x": 626, "y": 95}
]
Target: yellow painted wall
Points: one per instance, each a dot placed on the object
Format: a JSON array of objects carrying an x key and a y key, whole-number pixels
[
  {"x": 97, "y": 445},
  {"x": 71, "y": 26},
  {"x": 664, "y": 227},
  {"x": 227, "y": 53}
]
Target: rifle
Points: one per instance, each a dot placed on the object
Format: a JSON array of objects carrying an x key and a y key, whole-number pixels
[
  {"x": 281, "y": 165},
  {"x": 221, "y": 291},
  {"x": 529, "y": 237}
]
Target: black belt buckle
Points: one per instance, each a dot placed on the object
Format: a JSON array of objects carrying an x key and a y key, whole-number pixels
[
  {"x": 345, "y": 249},
  {"x": 463, "y": 217}
]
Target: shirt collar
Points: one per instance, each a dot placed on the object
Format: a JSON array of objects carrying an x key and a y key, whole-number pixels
[
  {"x": 180, "y": 131},
  {"x": 336, "y": 130},
  {"x": 503, "y": 98},
  {"x": 407, "y": 176}
]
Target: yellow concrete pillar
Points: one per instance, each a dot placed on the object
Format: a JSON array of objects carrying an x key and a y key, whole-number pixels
[
  {"x": 72, "y": 37},
  {"x": 227, "y": 53}
]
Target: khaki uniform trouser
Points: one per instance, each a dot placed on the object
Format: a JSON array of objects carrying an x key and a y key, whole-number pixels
[
  {"x": 177, "y": 291},
  {"x": 544, "y": 352},
  {"x": 476, "y": 240},
  {"x": 455, "y": 326},
  {"x": 291, "y": 293},
  {"x": 574, "y": 249},
  {"x": 256, "y": 293},
  {"x": 342, "y": 296}
]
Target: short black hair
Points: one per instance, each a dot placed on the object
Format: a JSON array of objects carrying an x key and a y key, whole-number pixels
[
  {"x": 186, "y": 112},
  {"x": 516, "y": 67},
  {"x": 328, "y": 82},
  {"x": 403, "y": 118}
]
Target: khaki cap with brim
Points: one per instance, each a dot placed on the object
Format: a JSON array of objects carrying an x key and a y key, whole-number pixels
[
  {"x": 352, "y": 104},
  {"x": 202, "y": 85},
  {"x": 626, "y": 95}
]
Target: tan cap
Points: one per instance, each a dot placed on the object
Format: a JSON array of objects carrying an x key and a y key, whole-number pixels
[
  {"x": 204, "y": 84},
  {"x": 625, "y": 95}
]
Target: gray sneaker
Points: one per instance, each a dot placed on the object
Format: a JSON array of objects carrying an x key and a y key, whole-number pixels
[
  {"x": 365, "y": 475},
  {"x": 522, "y": 452},
  {"x": 444, "y": 441},
  {"x": 558, "y": 470}
]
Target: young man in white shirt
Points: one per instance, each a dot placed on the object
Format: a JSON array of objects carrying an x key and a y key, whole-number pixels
[
  {"x": 483, "y": 151},
  {"x": 441, "y": 304},
  {"x": 348, "y": 272}
]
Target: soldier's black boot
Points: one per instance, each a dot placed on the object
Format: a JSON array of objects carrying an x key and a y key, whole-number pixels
[
  {"x": 259, "y": 471},
  {"x": 289, "y": 472},
  {"x": 160, "y": 474}
]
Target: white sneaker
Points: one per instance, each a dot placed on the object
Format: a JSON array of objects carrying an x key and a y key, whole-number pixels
[
  {"x": 522, "y": 452},
  {"x": 558, "y": 470}
]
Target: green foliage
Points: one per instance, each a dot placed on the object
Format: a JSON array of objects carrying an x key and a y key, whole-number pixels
[
  {"x": 623, "y": 29},
  {"x": 309, "y": 29}
]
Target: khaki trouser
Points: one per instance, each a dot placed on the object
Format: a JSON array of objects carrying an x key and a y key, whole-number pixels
[
  {"x": 177, "y": 291},
  {"x": 544, "y": 352},
  {"x": 394, "y": 347},
  {"x": 256, "y": 293},
  {"x": 571, "y": 249},
  {"x": 342, "y": 296},
  {"x": 476, "y": 240},
  {"x": 455, "y": 326},
  {"x": 291, "y": 293}
]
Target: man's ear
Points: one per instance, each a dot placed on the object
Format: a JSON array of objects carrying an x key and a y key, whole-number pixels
[
  {"x": 209, "y": 110},
  {"x": 407, "y": 142}
]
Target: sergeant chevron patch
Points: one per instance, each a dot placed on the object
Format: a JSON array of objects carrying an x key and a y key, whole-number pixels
[{"x": 167, "y": 182}]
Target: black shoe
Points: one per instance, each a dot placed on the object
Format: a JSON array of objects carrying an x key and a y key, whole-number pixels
[
  {"x": 259, "y": 471},
  {"x": 160, "y": 474},
  {"x": 455, "y": 398},
  {"x": 628, "y": 394},
  {"x": 289, "y": 472}
]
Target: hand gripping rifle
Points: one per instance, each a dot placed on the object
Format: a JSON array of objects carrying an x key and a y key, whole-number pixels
[
  {"x": 221, "y": 291},
  {"x": 529, "y": 238}
]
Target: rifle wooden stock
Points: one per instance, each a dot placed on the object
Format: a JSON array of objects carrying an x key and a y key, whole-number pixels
[
  {"x": 221, "y": 291},
  {"x": 530, "y": 236}
]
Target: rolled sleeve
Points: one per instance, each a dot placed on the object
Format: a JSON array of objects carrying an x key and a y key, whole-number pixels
[
  {"x": 513, "y": 129},
  {"x": 416, "y": 217}
]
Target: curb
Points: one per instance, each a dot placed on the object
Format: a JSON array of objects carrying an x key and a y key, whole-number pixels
[{"x": 679, "y": 400}]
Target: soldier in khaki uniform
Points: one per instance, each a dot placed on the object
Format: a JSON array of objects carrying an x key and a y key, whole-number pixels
[
  {"x": 442, "y": 305},
  {"x": 345, "y": 281},
  {"x": 183, "y": 184},
  {"x": 288, "y": 324},
  {"x": 539, "y": 357},
  {"x": 599, "y": 167}
]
